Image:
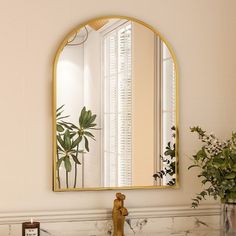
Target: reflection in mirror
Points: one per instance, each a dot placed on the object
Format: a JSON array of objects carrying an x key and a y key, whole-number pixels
[{"x": 115, "y": 108}]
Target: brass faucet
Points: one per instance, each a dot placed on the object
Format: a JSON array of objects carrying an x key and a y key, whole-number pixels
[{"x": 118, "y": 215}]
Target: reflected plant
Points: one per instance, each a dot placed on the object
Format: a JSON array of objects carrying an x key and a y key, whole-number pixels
[
  {"x": 83, "y": 132},
  {"x": 69, "y": 138},
  {"x": 67, "y": 148},
  {"x": 86, "y": 124},
  {"x": 61, "y": 125},
  {"x": 169, "y": 162}
]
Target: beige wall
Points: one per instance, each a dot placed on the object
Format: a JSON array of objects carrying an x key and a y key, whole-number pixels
[{"x": 203, "y": 36}]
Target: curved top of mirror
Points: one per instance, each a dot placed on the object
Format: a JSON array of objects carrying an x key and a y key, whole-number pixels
[{"x": 115, "y": 108}]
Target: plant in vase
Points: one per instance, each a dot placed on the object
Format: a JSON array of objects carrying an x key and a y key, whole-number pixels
[
  {"x": 70, "y": 138},
  {"x": 217, "y": 163}
]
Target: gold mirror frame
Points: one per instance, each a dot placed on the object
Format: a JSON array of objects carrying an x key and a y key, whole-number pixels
[{"x": 56, "y": 58}]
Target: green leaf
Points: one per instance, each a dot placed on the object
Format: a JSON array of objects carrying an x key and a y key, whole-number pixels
[
  {"x": 63, "y": 117},
  {"x": 86, "y": 144},
  {"x": 89, "y": 134},
  {"x": 60, "y": 128},
  {"x": 92, "y": 125},
  {"x": 233, "y": 156},
  {"x": 89, "y": 119},
  {"x": 92, "y": 119},
  {"x": 72, "y": 135},
  {"x": 58, "y": 109},
  {"x": 67, "y": 140},
  {"x": 59, "y": 139},
  {"x": 85, "y": 118},
  {"x": 230, "y": 176},
  {"x": 196, "y": 200},
  {"x": 65, "y": 124},
  {"x": 169, "y": 153},
  {"x": 232, "y": 195},
  {"x": 198, "y": 130},
  {"x": 233, "y": 189},
  {"x": 76, "y": 142},
  {"x": 201, "y": 155},
  {"x": 76, "y": 159},
  {"x": 203, "y": 194},
  {"x": 67, "y": 164},
  {"x": 81, "y": 117},
  {"x": 226, "y": 152},
  {"x": 234, "y": 167},
  {"x": 218, "y": 162},
  {"x": 59, "y": 162},
  {"x": 89, "y": 114},
  {"x": 59, "y": 113}
]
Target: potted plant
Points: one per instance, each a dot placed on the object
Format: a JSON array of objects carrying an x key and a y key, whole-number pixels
[{"x": 217, "y": 163}]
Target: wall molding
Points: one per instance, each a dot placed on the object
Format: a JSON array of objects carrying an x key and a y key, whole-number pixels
[{"x": 105, "y": 214}]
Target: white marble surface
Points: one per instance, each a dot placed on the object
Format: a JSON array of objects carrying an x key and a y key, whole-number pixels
[
  {"x": 177, "y": 222},
  {"x": 178, "y": 226}
]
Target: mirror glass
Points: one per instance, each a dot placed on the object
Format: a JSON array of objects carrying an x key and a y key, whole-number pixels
[{"x": 114, "y": 108}]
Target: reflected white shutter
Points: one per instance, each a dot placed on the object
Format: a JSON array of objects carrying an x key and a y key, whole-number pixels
[
  {"x": 168, "y": 102},
  {"x": 169, "y": 95},
  {"x": 118, "y": 107}
]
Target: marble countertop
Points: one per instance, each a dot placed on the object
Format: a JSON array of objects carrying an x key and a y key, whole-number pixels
[
  {"x": 153, "y": 222},
  {"x": 172, "y": 226}
]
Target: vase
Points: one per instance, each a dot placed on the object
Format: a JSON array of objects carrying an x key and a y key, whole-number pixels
[{"x": 228, "y": 218}]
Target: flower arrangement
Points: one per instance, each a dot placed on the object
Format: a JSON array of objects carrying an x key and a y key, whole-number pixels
[{"x": 217, "y": 161}]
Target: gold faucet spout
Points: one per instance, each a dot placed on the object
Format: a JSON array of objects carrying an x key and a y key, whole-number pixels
[{"x": 118, "y": 215}]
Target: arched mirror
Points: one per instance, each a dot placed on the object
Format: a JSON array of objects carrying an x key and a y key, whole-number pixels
[{"x": 115, "y": 108}]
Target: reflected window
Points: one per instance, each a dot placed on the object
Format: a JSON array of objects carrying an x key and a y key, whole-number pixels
[
  {"x": 117, "y": 110},
  {"x": 168, "y": 99},
  {"x": 168, "y": 107}
]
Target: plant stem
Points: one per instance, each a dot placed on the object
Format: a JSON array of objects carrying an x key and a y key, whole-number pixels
[
  {"x": 82, "y": 170},
  {"x": 58, "y": 172},
  {"x": 75, "y": 179},
  {"x": 67, "y": 179}
]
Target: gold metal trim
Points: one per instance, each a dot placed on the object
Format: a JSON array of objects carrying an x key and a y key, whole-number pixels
[{"x": 60, "y": 48}]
